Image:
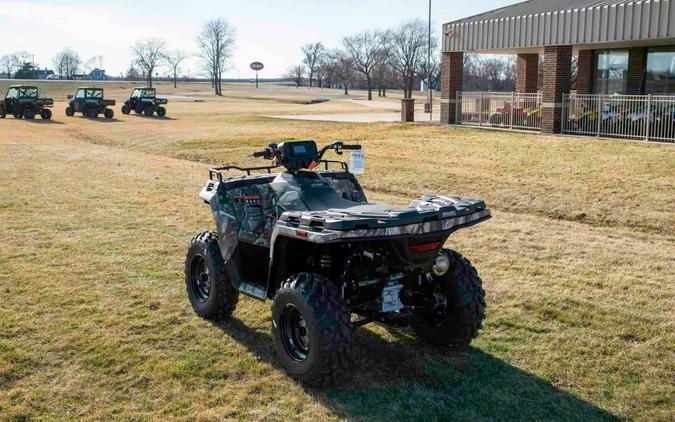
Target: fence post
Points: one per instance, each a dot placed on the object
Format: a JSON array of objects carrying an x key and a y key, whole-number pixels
[
  {"x": 458, "y": 102},
  {"x": 513, "y": 107},
  {"x": 480, "y": 110},
  {"x": 649, "y": 115},
  {"x": 599, "y": 114}
]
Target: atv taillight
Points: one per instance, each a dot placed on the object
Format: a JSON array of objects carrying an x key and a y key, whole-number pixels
[{"x": 426, "y": 247}]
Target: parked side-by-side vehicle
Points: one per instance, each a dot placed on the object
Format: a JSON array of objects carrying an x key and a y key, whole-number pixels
[
  {"x": 90, "y": 102},
  {"x": 23, "y": 101},
  {"x": 144, "y": 101}
]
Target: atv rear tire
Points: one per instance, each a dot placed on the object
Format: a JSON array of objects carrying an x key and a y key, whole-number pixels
[
  {"x": 161, "y": 111},
  {"x": 70, "y": 112},
  {"x": 464, "y": 310},
  {"x": 149, "y": 111},
  {"x": 108, "y": 113},
  {"x": 46, "y": 114},
  {"x": 29, "y": 114},
  {"x": 311, "y": 329},
  {"x": 126, "y": 109},
  {"x": 211, "y": 293}
]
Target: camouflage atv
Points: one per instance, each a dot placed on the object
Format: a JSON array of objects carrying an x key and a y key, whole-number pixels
[
  {"x": 90, "y": 102},
  {"x": 22, "y": 101},
  {"x": 308, "y": 239},
  {"x": 145, "y": 101}
]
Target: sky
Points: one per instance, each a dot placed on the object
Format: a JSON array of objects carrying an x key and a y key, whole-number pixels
[{"x": 268, "y": 31}]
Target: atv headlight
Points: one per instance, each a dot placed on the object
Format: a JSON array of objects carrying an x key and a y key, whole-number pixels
[{"x": 441, "y": 265}]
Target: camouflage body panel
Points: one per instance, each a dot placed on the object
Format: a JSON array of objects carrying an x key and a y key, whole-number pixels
[
  {"x": 314, "y": 235},
  {"x": 345, "y": 184}
]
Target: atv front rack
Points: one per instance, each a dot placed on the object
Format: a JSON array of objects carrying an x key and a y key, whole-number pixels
[{"x": 216, "y": 172}]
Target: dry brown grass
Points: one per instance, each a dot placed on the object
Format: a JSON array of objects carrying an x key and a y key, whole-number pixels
[{"x": 94, "y": 219}]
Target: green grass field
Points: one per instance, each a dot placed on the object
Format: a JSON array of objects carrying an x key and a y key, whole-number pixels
[{"x": 578, "y": 264}]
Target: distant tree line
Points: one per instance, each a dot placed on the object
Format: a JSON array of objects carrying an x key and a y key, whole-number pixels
[{"x": 393, "y": 58}]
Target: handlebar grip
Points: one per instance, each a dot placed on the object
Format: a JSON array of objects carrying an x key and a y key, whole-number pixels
[
  {"x": 351, "y": 147},
  {"x": 260, "y": 153}
]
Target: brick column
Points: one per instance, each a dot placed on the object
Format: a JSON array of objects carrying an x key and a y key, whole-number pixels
[
  {"x": 407, "y": 110},
  {"x": 452, "y": 76},
  {"x": 557, "y": 81},
  {"x": 585, "y": 72},
  {"x": 527, "y": 70},
  {"x": 637, "y": 63}
]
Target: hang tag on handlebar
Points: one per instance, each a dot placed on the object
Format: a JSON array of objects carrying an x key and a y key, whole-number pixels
[{"x": 357, "y": 160}]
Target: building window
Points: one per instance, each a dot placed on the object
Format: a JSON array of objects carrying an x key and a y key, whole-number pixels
[
  {"x": 611, "y": 72},
  {"x": 660, "y": 70}
]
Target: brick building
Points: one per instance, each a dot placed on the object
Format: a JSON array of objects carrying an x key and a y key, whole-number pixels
[{"x": 623, "y": 47}]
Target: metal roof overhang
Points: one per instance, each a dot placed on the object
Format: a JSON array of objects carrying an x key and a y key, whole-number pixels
[{"x": 626, "y": 24}]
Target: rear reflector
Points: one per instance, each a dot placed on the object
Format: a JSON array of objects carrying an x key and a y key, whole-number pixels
[
  {"x": 426, "y": 247},
  {"x": 301, "y": 234}
]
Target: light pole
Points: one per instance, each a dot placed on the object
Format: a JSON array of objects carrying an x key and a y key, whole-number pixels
[{"x": 429, "y": 89}]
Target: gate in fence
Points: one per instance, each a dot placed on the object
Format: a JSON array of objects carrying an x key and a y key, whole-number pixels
[
  {"x": 648, "y": 117},
  {"x": 506, "y": 110}
]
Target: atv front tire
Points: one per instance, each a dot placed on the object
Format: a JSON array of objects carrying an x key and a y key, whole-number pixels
[
  {"x": 3, "y": 113},
  {"x": 126, "y": 109},
  {"x": 70, "y": 112},
  {"x": 211, "y": 293},
  {"x": 458, "y": 322},
  {"x": 311, "y": 329}
]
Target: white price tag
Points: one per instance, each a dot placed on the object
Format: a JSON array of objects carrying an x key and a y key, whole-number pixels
[{"x": 358, "y": 162}]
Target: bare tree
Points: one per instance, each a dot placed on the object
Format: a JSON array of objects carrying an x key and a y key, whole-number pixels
[
  {"x": 8, "y": 63},
  {"x": 297, "y": 74},
  {"x": 408, "y": 50},
  {"x": 174, "y": 59},
  {"x": 313, "y": 53},
  {"x": 216, "y": 42},
  {"x": 147, "y": 54},
  {"x": 339, "y": 69},
  {"x": 384, "y": 76},
  {"x": 432, "y": 68},
  {"x": 366, "y": 50},
  {"x": 95, "y": 62},
  {"x": 66, "y": 63}
]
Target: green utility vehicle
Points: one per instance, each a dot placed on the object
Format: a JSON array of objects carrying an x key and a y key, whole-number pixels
[
  {"x": 90, "y": 102},
  {"x": 144, "y": 101},
  {"x": 23, "y": 101}
]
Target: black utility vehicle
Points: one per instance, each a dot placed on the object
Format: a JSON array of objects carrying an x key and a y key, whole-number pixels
[
  {"x": 308, "y": 239},
  {"x": 144, "y": 101},
  {"x": 90, "y": 102},
  {"x": 24, "y": 101}
]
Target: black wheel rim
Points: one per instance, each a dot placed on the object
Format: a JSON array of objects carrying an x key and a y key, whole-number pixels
[
  {"x": 200, "y": 280},
  {"x": 294, "y": 333},
  {"x": 435, "y": 316}
]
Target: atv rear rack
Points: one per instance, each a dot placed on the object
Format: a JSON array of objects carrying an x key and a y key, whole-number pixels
[{"x": 215, "y": 173}]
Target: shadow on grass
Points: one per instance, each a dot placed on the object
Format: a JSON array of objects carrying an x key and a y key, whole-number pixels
[
  {"x": 143, "y": 116},
  {"x": 100, "y": 119},
  {"x": 406, "y": 380},
  {"x": 44, "y": 122}
]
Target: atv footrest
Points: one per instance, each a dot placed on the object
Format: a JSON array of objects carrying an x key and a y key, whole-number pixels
[{"x": 251, "y": 289}]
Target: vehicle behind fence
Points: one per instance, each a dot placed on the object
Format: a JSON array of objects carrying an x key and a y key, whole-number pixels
[
  {"x": 648, "y": 117},
  {"x": 507, "y": 110}
]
